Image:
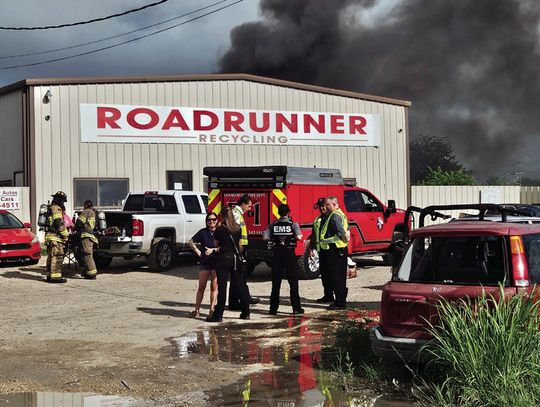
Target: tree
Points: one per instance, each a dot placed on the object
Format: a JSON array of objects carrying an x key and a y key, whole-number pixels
[
  {"x": 427, "y": 152},
  {"x": 442, "y": 177}
]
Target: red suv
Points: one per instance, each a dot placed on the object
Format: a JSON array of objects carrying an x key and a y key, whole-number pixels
[
  {"x": 17, "y": 243},
  {"x": 451, "y": 261}
]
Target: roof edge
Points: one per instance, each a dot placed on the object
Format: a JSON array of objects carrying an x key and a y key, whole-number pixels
[{"x": 202, "y": 77}]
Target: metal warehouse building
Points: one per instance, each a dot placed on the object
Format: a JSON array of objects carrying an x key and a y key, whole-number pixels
[{"x": 98, "y": 138}]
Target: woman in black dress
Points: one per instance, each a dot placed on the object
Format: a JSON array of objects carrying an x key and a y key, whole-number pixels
[
  {"x": 229, "y": 261},
  {"x": 203, "y": 244}
]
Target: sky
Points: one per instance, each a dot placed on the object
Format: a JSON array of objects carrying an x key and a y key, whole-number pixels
[{"x": 469, "y": 67}]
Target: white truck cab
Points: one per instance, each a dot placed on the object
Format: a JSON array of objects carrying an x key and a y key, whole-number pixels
[{"x": 155, "y": 224}]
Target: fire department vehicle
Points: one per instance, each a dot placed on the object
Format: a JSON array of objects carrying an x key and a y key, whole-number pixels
[{"x": 374, "y": 227}]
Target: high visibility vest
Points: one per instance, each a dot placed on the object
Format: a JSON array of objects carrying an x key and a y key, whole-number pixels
[
  {"x": 56, "y": 229},
  {"x": 85, "y": 224},
  {"x": 243, "y": 228},
  {"x": 316, "y": 230},
  {"x": 324, "y": 241}
]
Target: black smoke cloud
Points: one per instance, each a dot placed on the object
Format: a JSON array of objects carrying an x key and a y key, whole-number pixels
[{"x": 469, "y": 66}]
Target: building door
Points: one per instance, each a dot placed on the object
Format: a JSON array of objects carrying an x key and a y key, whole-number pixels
[{"x": 180, "y": 180}]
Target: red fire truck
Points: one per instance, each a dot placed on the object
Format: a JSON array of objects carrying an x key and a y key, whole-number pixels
[{"x": 374, "y": 227}]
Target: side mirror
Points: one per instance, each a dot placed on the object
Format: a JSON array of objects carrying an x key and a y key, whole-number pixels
[
  {"x": 27, "y": 225},
  {"x": 390, "y": 208}
]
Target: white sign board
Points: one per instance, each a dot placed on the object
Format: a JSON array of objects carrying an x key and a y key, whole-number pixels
[
  {"x": 491, "y": 195},
  {"x": 10, "y": 198},
  {"x": 175, "y": 124}
]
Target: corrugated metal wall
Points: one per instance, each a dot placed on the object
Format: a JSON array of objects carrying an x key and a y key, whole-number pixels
[
  {"x": 383, "y": 170},
  {"x": 11, "y": 134},
  {"x": 530, "y": 195}
]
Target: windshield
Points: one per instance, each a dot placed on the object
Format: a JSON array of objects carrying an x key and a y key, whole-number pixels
[
  {"x": 9, "y": 221},
  {"x": 455, "y": 260}
]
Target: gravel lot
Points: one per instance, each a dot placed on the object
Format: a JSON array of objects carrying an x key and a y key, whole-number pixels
[{"x": 100, "y": 335}]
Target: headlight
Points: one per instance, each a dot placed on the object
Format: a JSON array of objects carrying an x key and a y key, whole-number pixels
[{"x": 35, "y": 240}]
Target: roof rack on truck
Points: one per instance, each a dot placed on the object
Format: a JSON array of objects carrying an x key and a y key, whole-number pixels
[{"x": 271, "y": 176}]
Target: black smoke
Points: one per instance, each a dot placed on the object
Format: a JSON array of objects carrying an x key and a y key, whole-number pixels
[{"x": 470, "y": 67}]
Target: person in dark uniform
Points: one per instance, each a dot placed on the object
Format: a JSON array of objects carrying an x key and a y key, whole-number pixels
[
  {"x": 314, "y": 244},
  {"x": 229, "y": 261},
  {"x": 283, "y": 235},
  {"x": 333, "y": 240},
  {"x": 241, "y": 208}
]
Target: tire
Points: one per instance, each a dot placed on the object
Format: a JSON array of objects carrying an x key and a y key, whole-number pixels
[
  {"x": 32, "y": 262},
  {"x": 388, "y": 258},
  {"x": 308, "y": 268},
  {"x": 161, "y": 255},
  {"x": 102, "y": 262}
]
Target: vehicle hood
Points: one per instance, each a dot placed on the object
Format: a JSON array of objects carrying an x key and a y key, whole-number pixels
[{"x": 22, "y": 235}]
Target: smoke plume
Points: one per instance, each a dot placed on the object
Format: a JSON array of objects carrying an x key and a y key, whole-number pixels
[{"x": 469, "y": 66}]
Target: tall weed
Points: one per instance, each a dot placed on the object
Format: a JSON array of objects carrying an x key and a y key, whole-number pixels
[{"x": 485, "y": 352}]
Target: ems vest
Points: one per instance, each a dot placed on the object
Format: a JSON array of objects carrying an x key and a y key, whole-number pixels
[
  {"x": 85, "y": 224},
  {"x": 316, "y": 230},
  {"x": 282, "y": 234},
  {"x": 243, "y": 228},
  {"x": 56, "y": 229},
  {"x": 325, "y": 241}
]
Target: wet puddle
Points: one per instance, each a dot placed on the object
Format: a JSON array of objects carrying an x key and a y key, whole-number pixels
[
  {"x": 54, "y": 399},
  {"x": 280, "y": 363}
]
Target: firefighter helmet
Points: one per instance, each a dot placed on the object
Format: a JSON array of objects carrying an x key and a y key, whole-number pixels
[{"x": 61, "y": 196}]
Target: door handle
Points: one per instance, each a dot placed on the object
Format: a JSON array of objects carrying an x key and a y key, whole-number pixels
[{"x": 189, "y": 220}]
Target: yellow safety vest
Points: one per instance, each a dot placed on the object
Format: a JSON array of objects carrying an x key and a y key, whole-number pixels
[
  {"x": 243, "y": 228},
  {"x": 316, "y": 230},
  {"x": 324, "y": 241},
  {"x": 57, "y": 231}
]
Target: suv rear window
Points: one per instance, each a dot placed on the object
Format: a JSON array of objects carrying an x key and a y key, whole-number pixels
[{"x": 468, "y": 260}]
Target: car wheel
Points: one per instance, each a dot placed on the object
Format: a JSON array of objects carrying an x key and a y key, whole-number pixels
[
  {"x": 161, "y": 255},
  {"x": 308, "y": 267}
]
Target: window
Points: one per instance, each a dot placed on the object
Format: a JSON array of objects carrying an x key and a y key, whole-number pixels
[
  {"x": 455, "y": 260},
  {"x": 532, "y": 252},
  {"x": 180, "y": 180},
  {"x": 370, "y": 202},
  {"x": 353, "y": 201},
  {"x": 104, "y": 193},
  {"x": 191, "y": 203},
  {"x": 9, "y": 221},
  {"x": 151, "y": 203},
  {"x": 205, "y": 202}
]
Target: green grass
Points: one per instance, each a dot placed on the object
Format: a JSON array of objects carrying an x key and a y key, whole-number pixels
[{"x": 486, "y": 352}]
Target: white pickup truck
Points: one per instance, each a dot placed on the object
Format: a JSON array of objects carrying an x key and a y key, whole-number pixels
[{"x": 155, "y": 224}]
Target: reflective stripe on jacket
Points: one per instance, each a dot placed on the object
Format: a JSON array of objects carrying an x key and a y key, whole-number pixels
[
  {"x": 243, "y": 229},
  {"x": 325, "y": 241}
]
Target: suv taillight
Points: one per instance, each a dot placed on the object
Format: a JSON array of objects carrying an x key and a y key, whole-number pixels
[
  {"x": 138, "y": 227},
  {"x": 519, "y": 262}
]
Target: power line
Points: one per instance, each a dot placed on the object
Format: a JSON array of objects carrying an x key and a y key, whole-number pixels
[
  {"x": 114, "y": 36},
  {"x": 47, "y": 27},
  {"x": 121, "y": 43}
]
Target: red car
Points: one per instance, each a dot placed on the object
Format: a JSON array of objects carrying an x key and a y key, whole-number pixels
[
  {"x": 452, "y": 261},
  {"x": 17, "y": 243}
]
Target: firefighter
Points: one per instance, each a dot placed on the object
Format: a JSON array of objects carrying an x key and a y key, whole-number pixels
[
  {"x": 56, "y": 238},
  {"x": 84, "y": 227},
  {"x": 314, "y": 244},
  {"x": 333, "y": 241},
  {"x": 242, "y": 206},
  {"x": 283, "y": 235}
]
